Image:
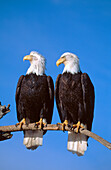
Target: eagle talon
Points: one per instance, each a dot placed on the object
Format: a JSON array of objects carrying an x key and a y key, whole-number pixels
[
  {"x": 21, "y": 123},
  {"x": 65, "y": 123},
  {"x": 41, "y": 124},
  {"x": 78, "y": 126},
  {"x": 36, "y": 125},
  {"x": 45, "y": 124},
  {"x": 58, "y": 123}
]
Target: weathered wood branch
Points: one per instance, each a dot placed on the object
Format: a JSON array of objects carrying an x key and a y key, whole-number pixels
[
  {"x": 96, "y": 137},
  {"x": 55, "y": 127},
  {"x": 5, "y": 136},
  {"x": 4, "y": 110}
]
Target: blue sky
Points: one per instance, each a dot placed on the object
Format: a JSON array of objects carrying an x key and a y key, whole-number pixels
[{"x": 53, "y": 27}]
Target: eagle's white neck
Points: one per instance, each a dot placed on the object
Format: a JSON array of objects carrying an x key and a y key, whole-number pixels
[
  {"x": 71, "y": 68},
  {"x": 36, "y": 68}
]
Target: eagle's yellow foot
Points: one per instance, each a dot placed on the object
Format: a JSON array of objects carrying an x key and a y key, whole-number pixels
[
  {"x": 21, "y": 123},
  {"x": 41, "y": 123},
  {"x": 78, "y": 125},
  {"x": 65, "y": 123}
]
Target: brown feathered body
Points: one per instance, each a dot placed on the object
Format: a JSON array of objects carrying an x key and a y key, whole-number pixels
[
  {"x": 75, "y": 98},
  {"x": 34, "y": 99},
  {"x": 75, "y": 102}
]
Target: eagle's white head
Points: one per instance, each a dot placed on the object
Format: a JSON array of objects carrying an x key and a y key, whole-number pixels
[
  {"x": 71, "y": 62},
  {"x": 37, "y": 62}
]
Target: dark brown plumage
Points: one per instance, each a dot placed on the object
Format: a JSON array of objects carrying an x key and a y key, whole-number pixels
[
  {"x": 75, "y": 98},
  {"x": 35, "y": 98}
]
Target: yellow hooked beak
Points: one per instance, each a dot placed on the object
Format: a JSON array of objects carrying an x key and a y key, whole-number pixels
[
  {"x": 27, "y": 57},
  {"x": 61, "y": 60}
]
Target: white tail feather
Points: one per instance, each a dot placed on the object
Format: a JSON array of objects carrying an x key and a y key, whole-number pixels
[
  {"x": 33, "y": 139},
  {"x": 77, "y": 143}
]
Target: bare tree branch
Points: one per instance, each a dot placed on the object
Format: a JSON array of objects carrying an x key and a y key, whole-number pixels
[
  {"x": 4, "y": 110},
  {"x": 55, "y": 127},
  {"x": 96, "y": 137},
  {"x": 5, "y": 136}
]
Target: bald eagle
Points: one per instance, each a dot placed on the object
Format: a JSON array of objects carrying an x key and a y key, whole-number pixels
[
  {"x": 34, "y": 99},
  {"x": 75, "y": 97}
]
